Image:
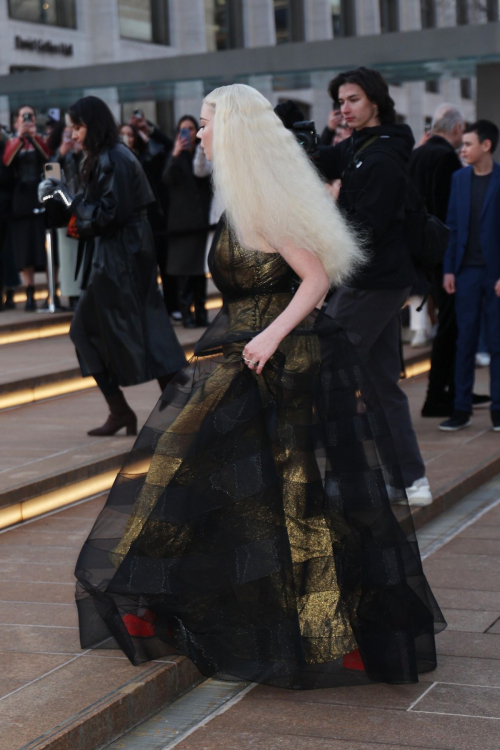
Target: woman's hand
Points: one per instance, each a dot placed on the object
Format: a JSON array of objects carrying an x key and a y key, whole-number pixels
[
  {"x": 179, "y": 146},
  {"x": 259, "y": 350},
  {"x": 497, "y": 288}
]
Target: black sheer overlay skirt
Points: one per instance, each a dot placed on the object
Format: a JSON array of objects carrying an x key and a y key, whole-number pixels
[{"x": 260, "y": 525}]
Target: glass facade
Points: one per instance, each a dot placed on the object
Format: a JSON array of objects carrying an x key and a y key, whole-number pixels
[
  {"x": 343, "y": 14},
  {"x": 389, "y": 16},
  {"x": 462, "y": 12},
  {"x": 428, "y": 13},
  {"x": 282, "y": 21},
  {"x": 217, "y": 24},
  {"x": 492, "y": 10},
  {"x": 144, "y": 20},
  {"x": 50, "y": 12},
  {"x": 223, "y": 24},
  {"x": 289, "y": 21}
]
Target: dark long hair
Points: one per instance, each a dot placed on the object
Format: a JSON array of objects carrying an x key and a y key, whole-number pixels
[
  {"x": 102, "y": 132},
  {"x": 374, "y": 86},
  {"x": 139, "y": 144},
  {"x": 191, "y": 119}
]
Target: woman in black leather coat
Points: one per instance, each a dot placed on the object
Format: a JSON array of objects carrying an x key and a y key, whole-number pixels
[{"x": 121, "y": 330}]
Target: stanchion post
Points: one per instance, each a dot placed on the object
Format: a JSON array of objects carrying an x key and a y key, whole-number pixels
[{"x": 51, "y": 277}]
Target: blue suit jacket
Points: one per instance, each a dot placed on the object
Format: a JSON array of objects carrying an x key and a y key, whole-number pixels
[{"x": 458, "y": 219}]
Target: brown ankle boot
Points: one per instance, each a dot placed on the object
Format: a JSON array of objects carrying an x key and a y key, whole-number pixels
[{"x": 121, "y": 415}]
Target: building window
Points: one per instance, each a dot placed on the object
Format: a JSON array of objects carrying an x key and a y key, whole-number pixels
[
  {"x": 462, "y": 12},
  {"x": 224, "y": 24},
  {"x": 492, "y": 10},
  {"x": 466, "y": 88},
  {"x": 144, "y": 20},
  {"x": 428, "y": 13},
  {"x": 389, "y": 16},
  {"x": 50, "y": 12},
  {"x": 343, "y": 17},
  {"x": 289, "y": 21},
  {"x": 432, "y": 86}
]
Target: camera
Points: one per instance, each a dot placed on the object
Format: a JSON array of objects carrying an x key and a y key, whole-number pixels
[
  {"x": 27, "y": 117},
  {"x": 306, "y": 135},
  {"x": 304, "y": 131},
  {"x": 138, "y": 112}
]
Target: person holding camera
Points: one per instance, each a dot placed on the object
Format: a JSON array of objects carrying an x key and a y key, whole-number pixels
[
  {"x": 188, "y": 224},
  {"x": 25, "y": 154},
  {"x": 153, "y": 153},
  {"x": 121, "y": 330},
  {"x": 372, "y": 166}
]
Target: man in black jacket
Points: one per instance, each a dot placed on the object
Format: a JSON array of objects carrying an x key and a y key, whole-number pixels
[
  {"x": 431, "y": 169},
  {"x": 372, "y": 165}
]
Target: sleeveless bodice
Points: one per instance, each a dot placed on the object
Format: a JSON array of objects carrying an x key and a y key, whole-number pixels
[
  {"x": 256, "y": 287},
  {"x": 238, "y": 272}
]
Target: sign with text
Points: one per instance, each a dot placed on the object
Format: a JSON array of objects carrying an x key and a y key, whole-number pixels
[{"x": 42, "y": 45}]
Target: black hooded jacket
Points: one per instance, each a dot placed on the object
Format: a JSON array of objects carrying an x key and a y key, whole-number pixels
[
  {"x": 431, "y": 168},
  {"x": 373, "y": 196}
]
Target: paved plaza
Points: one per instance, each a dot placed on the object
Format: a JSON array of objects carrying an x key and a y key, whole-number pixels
[{"x": 54, "y": 695}]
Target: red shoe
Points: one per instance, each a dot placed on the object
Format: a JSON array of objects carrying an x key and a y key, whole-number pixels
[
  {"x": 142, "y": 627},
  {"x": 353, "y": 660}
]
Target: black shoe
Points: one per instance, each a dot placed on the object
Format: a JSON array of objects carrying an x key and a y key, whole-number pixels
[
  {"x": 458, "y": 421},
  {"x": 201, "y": 319},
  {"x": 30, "y": 305},
  {"x": 495, "y": 418},
  {"x": 441, "y": 408},
  {"x": 480, "y": 399},
  {"x": 188, "y": 321},
  {"x": 57, "y": 303},
  {"x": 9, "y": 303}
]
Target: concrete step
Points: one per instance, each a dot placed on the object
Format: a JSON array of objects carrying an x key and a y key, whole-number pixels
[
  {"x": 46, "y": 367},
  {"x": 37, "y": 476},
  {"x": 47, "y": 460},
  {"x": 17, "y": 325},
  {"x": 54, "y": 694}
]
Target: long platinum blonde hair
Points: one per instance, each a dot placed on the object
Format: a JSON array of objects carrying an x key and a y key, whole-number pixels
[{"x": 269, "y": 188}]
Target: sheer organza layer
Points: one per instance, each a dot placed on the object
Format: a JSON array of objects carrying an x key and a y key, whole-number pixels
[{"x": 260, "y": 525}]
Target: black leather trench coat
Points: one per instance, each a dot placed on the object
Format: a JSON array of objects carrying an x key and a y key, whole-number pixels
[{"x": 121, "y": 323}]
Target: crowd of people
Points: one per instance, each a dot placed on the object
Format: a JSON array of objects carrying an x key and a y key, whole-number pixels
[
  {"x": 261, "y": 526},
  {"x": 164, "y": 210},
  {"x": 182, "y": 216}
]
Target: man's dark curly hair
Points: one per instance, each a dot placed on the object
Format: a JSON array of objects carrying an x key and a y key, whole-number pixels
[{"x": 374, "y": 86}]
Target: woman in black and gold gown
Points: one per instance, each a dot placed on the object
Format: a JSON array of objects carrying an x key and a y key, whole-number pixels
[{"x": 260, "y": 524}]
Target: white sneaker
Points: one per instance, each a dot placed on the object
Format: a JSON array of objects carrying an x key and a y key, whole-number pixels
[
  {"x": 420, "y": 338},
  {"x": 419, "y": 494},
  {"x": 483, "y": 359}
]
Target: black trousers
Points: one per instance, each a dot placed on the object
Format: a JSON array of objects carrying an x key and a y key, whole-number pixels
[
  {"x": 441, "y": 376},
  {"x": 370, "y": 318},
  {"x": 168, "y": 282},
  {"x": 192, "y": 290}
]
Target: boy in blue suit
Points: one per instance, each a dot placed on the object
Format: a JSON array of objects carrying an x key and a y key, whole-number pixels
[{"x": 472, "y": 266}]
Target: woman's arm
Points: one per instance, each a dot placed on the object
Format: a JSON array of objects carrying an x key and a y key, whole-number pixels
[
  {"x": 309, "y": 295},
  {"x": 95, "y": 216}
]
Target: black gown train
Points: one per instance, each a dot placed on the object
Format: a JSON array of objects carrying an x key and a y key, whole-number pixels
[{"x": 260, "y": 525}]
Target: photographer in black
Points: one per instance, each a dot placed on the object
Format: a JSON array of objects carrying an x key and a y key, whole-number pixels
[
  {"x": 25, "y": 154},
  {"x": 372, "y": 165},
  {"x": 153, "y": 157},
  {"x": 6, "y": 187}
]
